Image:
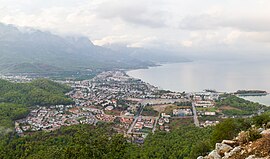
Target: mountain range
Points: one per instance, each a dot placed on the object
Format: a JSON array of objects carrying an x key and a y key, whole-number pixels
[{"x": 27, "y": 50}]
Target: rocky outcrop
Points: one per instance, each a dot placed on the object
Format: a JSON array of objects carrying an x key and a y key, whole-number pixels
[
  {"x": 242, "y": 147},
  {"x": 222, "y": 148},
  {"x": 229, "y": 142},
  {"x": 214, "y": 155},
  {"x": 231, "y": 153},
  {"x": 265, "y": 133},
  {"x": 220, "y": 151}
]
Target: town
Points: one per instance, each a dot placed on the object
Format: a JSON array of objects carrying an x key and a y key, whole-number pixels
[{"x": 135, "y": 108}]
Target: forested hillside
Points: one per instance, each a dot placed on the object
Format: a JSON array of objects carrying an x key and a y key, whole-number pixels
[
  {"x": 17, "y": 98},
  {"x": 101, "y": 141},
  {"x": 232, "y": 105}
]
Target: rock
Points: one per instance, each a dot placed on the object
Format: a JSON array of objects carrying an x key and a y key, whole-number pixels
[
  {"x": 214, "y": 155},
  {"x": 251, "y": 157},
  {"x": 249, "y": 150},
  {"x": 265, "y": 132},
  {"x": 232, "y": 152},
  {"x": 261, "y": 130},
  {"x": 229, "y": 142},
  {"x": 222, "y": 148},
  {"x": 254, "y": 157},
  {"x": 200, "y": 157}
]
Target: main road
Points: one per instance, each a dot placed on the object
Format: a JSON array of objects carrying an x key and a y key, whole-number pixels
[
  {"x": 196, "y": 121},
  {"x": 135, "y": 119}
]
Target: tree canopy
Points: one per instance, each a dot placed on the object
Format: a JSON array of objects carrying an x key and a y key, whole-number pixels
[{"x": 17, "y": 98}]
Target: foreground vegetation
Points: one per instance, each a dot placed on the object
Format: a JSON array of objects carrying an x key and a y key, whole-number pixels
[
  {"x": 85, "y": 141},
  {"x": 16, "y": 99}
]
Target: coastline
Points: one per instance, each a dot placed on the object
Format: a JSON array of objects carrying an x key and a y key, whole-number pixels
[
  {"x": 158, "y": 64},
  {"x": 252, "y": 97}
]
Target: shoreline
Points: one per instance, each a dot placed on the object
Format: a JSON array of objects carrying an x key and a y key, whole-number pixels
[
  {"x": 262, "y": 98},
  {"x": 151, "y": 66},
  {"x": 227, "y": 81}
]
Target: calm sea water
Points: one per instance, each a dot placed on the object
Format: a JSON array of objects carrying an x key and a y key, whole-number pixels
[
  {"x": 200, "y": 75},
  {"x": 261, "y": 99}
]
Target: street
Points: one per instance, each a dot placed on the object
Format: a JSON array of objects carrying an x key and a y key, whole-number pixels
[{"x": 196, "y": 121}]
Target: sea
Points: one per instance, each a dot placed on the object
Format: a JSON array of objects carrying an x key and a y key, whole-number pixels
[{"x": 222, "y": 76}]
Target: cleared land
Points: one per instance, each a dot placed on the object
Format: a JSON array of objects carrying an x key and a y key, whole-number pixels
[
  {"x": 176, "y": 123},
  {"x": 228, "y": 108},
  {"x": 162, "y": 108}
]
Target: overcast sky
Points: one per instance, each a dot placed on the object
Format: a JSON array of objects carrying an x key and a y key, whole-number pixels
[{"x": 241, "y": 26}]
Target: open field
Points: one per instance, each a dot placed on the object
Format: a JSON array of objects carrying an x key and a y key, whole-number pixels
[
  {"x": 170, "y": 108},
  {"x": 228, "y": 108},
  {"x": 207, "y": 109},
  {"x": 178, "y": 122},
  {"x": 113, "y": 112},
  {"x": 163, "y": 107},
  {"x": 209, "y": 118}
]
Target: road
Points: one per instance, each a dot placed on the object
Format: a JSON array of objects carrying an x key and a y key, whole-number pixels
[
  {"x": 196, "y": 121},
  {"x": 132, "y": 125},
  {"x": 135, "y": 120},
  {"x": 160, "y": 101},
  {"x": 155, "y": 125}
]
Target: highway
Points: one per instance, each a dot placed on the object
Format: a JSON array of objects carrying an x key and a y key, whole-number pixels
[{"x": 196, "y": 121}]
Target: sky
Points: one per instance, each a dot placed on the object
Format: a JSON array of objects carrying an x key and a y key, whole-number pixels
[{"x": 240, "y": 27}]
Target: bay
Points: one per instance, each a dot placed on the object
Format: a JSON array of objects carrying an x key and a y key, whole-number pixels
[
  {"x": 224, "y": 76},
  {"x": 261, "y": 99}
]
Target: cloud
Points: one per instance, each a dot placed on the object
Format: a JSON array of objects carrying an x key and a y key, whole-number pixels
[
  {"x": 123, "y": 39},
  {"x": 216, "y": 21},
  {"x": 135, "y": 12},
  {"x": 135, "y": 42},
  {"x": 180, "y": 25},
  {"x": 232, "y": 37},
  {"x": 199, "y": 22},
  {"x": 259, "y": 24},
  {"x": 147, "y": 42},
  {"x": 186, "y": 43}
]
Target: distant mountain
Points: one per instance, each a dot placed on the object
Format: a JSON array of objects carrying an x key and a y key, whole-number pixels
[
  {"x": 34, "y": 51},
  {"x": 147, "y": 55}
]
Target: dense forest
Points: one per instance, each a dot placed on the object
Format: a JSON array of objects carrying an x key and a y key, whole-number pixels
[
  {"x": 86, "y": 141},
  {"x": 16, "y": 99}
]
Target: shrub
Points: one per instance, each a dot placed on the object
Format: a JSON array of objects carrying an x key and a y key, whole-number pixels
[
  {"x": 253, "y": 134},
  {"x": 261, "y": 119}
]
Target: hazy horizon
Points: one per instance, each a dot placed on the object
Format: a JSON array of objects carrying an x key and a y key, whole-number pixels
[{"x": 222, "y": 29}]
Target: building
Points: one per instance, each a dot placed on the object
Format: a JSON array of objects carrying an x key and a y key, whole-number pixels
[
  {"x": 182, "y": 112},
  {"x": 210, "y": 113},
  {"x": 204, "y": 104}
]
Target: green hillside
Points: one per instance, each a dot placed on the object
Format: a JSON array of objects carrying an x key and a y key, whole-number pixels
[
  {"x": 239, "y": 106},
  {"x": 101, "y": 141},
  {"x": 17, "y": 98}
]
